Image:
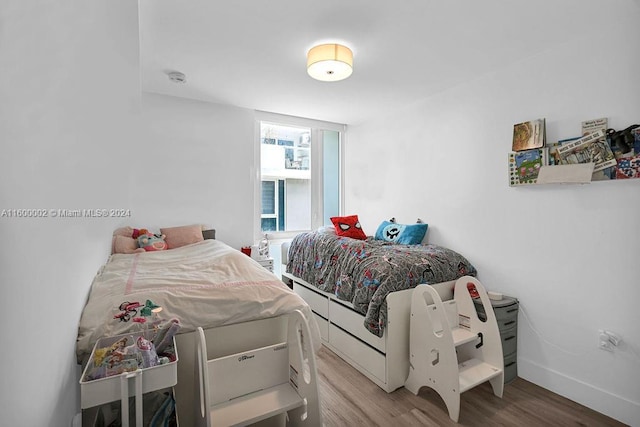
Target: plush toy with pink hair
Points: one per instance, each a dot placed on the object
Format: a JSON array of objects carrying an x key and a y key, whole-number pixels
[
  {"x": 152, "y": 242},
  {"x": 149, "y": 241}
]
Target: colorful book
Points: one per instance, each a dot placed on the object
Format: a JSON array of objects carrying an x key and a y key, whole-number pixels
[
  {"x": 529, "y": 135},
  {"x": 592, "y": 148},
  {"x": 602, "y": 124},
  {"x": 554, "y": 156},
  {"x": 524, "y": 166}
]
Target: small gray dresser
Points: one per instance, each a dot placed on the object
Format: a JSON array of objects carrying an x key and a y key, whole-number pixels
[{"x": 506, "y": 311}]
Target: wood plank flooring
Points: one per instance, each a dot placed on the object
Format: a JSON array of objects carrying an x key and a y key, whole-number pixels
[{"x": 350, "y": 399}]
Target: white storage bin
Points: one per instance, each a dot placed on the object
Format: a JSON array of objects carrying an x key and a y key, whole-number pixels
[{"x": 99, "y": 391}]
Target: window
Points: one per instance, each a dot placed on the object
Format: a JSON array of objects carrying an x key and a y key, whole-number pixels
[
  {"x": 272, "y": 205},
  {"x": 300, "y": 175}
]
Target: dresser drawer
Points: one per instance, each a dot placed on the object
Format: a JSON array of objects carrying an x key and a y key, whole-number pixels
[
  {"x": 510, "y": 368},
  {"x": 504, "y": 310},
  {"x": 509, "y": 340},
  {"x": 507, "y": 312},
  {"x": 266, "y": 263},
  {"x": 504, "y": 324}
]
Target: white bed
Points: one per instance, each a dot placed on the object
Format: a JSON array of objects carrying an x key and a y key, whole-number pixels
[
  {"x": 344, "y": 329},
  {"x": 241, "y": 305},
  {"x": 384, "y": 360}
]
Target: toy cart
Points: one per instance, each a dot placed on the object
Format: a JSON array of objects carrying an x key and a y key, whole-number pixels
[{"x": 95, "y": 392}]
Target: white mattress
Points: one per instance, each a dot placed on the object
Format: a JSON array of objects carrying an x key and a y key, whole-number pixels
[{"x": 205, "y": 284}]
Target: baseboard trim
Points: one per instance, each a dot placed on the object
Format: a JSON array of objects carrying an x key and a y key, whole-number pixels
[{"x": 613, "y": 406}]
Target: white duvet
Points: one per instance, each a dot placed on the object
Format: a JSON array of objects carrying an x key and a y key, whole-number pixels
[{"x": 205, "y": 284}]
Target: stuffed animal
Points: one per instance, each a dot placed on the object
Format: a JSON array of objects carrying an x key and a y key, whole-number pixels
[
  {"x": 152, "y": 242},
  {"x": 137, "y": 232}
]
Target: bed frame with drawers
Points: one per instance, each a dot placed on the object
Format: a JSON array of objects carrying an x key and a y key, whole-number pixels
[{"x": 384, "y": 360}]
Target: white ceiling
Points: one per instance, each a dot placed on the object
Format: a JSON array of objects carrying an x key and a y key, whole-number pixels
[{"x": 252, "y": 53}]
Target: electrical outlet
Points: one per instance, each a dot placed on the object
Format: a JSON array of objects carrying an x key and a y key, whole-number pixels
[
  {"x": 614, "y": 338},
  {"x": 608, "y": 340},
  {"x": 605, "y": 345}
]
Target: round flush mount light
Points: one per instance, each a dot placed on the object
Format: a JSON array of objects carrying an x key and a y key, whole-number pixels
[
  {"x": 177, "y": 77},
  {"x": 330, "y": 62}
]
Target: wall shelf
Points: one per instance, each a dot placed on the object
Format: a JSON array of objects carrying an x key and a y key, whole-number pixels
[{"x": 566, "y": 174}]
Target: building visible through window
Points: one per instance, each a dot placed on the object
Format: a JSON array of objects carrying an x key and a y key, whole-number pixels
[{"x": 300, "y": 177}]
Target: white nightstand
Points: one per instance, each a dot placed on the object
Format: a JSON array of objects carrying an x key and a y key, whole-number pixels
[{"x": 266, "y": 263}]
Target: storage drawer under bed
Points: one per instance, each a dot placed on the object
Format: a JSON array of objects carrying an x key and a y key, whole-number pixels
[
  {"x": 318, "y": 303},
  {"x": 323, "y": 326},
  {"x": 359, "y": 353},
  {"x": 353, "y": 322}
]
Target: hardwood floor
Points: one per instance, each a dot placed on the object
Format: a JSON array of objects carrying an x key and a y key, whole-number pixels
[{"x": 350, "y": 399}]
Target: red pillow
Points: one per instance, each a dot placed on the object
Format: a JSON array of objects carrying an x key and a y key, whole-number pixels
[{"x": 348, "y": 226}]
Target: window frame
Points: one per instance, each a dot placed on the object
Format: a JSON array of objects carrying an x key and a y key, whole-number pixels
[{"x": 317, "y": 128}]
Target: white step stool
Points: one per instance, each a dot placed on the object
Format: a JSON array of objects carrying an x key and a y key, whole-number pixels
[
  {"x": 244, "y": 388},
  {"x": 451, "y": 349}
]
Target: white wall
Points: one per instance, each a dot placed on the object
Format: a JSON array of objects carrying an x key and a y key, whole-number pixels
[
  {"x": 69, "y": 113},
  {"x": 75, "y": 133},
  {"x": 201, "y": 159},
  {"x": 569, "y": 253}
]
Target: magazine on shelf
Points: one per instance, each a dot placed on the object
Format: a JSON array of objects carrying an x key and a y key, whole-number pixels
[
  {"x": 592, "y": 148},
  {"x": 524, "y": 166},
  {"x": 529, "y": 135},
  {"x": 590, "y": 126},
  {"x": 554, "y": 157}
]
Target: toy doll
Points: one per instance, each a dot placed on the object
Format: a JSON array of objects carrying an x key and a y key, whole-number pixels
[{"x": 147, "y": 351}]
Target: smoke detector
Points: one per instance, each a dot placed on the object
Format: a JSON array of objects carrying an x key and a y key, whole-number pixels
[{"x": 177, "y": 77}]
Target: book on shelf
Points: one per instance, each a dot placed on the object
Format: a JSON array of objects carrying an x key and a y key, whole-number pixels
[
  {"x": 524, "y": 166},
  {"x": 590, "y": 126},
  {"x": 553, "y": 155},
  {"x": 591, "y": 148},
  {"x": 529, "y": 135}
]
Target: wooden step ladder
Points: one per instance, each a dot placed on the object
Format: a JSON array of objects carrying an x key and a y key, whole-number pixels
[
  {"x": 256, "y": 385},
  {"x": 451, "y": 349}
]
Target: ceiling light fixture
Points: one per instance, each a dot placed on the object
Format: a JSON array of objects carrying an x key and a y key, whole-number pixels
[
  {"x": 177, "y": 77},
  {"x": 330, "y": 62}
]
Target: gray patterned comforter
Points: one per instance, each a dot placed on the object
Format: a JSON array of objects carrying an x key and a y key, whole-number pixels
[{"x": 363, "y": 272}]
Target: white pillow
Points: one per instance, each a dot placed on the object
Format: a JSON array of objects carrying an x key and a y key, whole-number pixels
[{"x": 327, "y": 229}]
